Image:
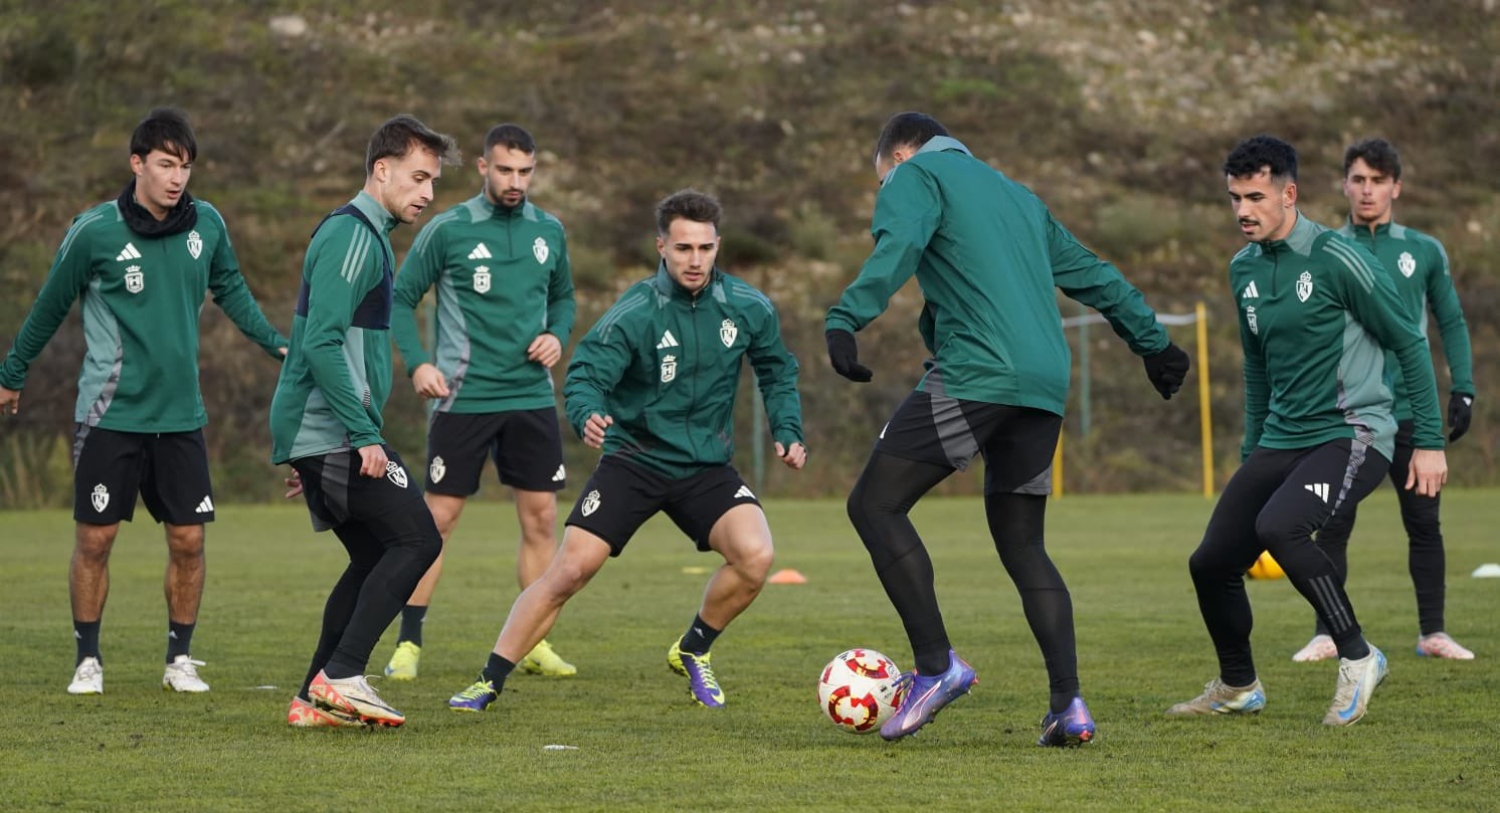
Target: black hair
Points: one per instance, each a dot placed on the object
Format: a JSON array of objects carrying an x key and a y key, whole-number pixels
[
  {"x": 688, "y": 204},
  {"x": 907, "y": 129},
  {"x": 1378, "y": 153},
  {"x": 166, "y": 129},
  {"x": 513, "y": 136},
  {"x": 1259, "y": 152},
  {"x": 396, "y": 137}
]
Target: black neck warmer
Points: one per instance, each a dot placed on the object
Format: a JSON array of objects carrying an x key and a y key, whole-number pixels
[{"x": 183, "y": 216}]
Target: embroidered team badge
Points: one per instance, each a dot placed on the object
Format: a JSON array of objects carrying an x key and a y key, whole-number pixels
[
  {"x": 395, "y": 473},
  {"x": 100, "y": 498},
  {"x": 668, "y": 369},
  {"x": 195, "y": 244},
  {"x": 1250, "y": 320},
  {"x": 1407, "y": 264},
  {"x": 539, "y": 250},
  {"x": 437, "y": 470},
  {"x": 727, "y": 332},
  {"x": 590, "y": 503},
  {"x": 134, "y": 279},
  {"x": 482, "y": 279},
  {"x": 1304, "y": 286}
]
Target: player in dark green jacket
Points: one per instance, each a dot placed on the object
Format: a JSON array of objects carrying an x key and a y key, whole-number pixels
[
  {"x": 1418, "y": 266},
  {"x": 1317, "y": 314},
  {"x": 504, "y": 311},
  {"x": 141, "y": 265},
  {"x": 988, "y": 256},
  {"x": 653, "y": 384},
  {"x": 326, "y": 422}
]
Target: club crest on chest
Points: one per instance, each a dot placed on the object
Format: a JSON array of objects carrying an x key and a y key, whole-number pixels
[{"x": 1304, "y": 286}]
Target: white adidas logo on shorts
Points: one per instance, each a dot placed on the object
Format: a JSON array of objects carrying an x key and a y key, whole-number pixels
[
  {"x": 744, "y": 493},
  {"x": 205, "y": 507}
]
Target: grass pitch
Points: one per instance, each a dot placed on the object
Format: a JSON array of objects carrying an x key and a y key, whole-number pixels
[{"x": 1428, "y": 743}]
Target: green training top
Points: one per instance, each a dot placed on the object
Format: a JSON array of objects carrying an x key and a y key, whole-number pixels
[
  {"x": 337, "y": 374},
  {"x": 987, "y": 254},
  {"x": 1315, "y": 335},
  {"x": 1419, "y": 266},
  {"x": 665, "y": 364},
  {"x": 141, "y": 301},
  {"x": 503, "y": 278}
]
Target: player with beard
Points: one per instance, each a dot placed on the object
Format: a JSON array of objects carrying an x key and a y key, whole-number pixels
[{"x": 505, "y": 308}]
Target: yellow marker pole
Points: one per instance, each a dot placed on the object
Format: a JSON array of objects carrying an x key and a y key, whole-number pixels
[
  {"x": 1205, "y": 416},
  {"x": 1057, "y": 468}
]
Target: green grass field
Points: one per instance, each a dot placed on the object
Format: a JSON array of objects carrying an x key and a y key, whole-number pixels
[{"x": 1428, "y": 743}]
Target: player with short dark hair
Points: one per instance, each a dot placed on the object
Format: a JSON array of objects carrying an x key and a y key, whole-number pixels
[
  {"x": 141, "y": 265},
  {"x": 988, "y": 255},
  {"x": 653, "y": 384},
  {"x": 326, "y": 422},
  {"x": 1317, "y": 316},
  {"x": 504, "y": 311},
  {"x": 1418, "y": 266}
]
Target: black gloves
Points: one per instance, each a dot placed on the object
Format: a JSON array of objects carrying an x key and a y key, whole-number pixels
[
  {"x": 1167, "y": 370},
  {"x": 1460, "y": 410},
  {"x": 843, "y": 353}
]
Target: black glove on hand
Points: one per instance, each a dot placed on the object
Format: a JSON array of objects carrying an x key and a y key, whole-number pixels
[
  {"x": 843, "y": 353},
  {"x": 1460, "y": 410},
  {"x": 1167, "y": 370}
]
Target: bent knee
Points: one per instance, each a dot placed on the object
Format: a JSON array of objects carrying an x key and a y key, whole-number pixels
[{"x": 755, "y": 563}]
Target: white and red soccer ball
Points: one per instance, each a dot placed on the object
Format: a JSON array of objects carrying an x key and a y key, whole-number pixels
[{"x": 858, "y": 690}]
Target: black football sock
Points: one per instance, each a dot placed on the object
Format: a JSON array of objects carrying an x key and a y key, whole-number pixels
[
  {"x": 699, "y": 637},
  {"x": 412, "y": 618},
  {"x": 86, "y": 635},
  {"x": 496, "y": 670},
  {"x": 1016, "y": 523},
  {"x": 179, "y": 639}
]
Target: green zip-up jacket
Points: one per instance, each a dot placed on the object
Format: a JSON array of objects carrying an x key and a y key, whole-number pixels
[
  {"x": 1418, "y": 265},
  {"x": 987, "y": 254},
  {"x": 141, "y": 301},
  {"x": 337, "y": 374},
  {"x": 503, "y": 278},
  {"x": 1317, "y": 314},
  {"x": 665, "y": 364}
]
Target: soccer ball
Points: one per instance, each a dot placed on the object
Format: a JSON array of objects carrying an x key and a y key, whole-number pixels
[
  {"x": 1265, "y": 568},
  {"x": 858, "y": 690}
]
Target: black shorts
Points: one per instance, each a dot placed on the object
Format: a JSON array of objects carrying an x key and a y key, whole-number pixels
[
  {"x": 1017, "y": 442},
  {"x": 526, "y": 446},
  {"x": 169, "y": 470},
  {"x": 620, "y": 496},
  {"x": 337, "y": 493}
]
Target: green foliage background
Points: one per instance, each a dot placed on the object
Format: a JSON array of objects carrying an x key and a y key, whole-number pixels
[{"x": 1116, "y": 113}]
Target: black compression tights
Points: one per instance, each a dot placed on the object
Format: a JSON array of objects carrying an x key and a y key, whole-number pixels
[{"x": 878, "y": 507}]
